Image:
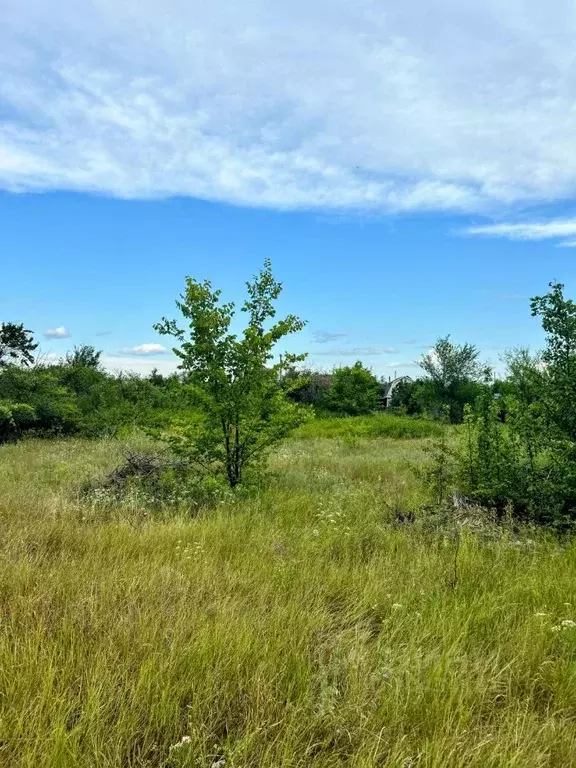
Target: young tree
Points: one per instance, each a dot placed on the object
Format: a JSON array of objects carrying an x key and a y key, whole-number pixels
[
  {"x": 455, "y": 373},
  {"x": 16, "y": 344},
  {"x": 235, "y": 386},
  {"x": 559, "y": 357},
  {"x": 354, "y": 391}
]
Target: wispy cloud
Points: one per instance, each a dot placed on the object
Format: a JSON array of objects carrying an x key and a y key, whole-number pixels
[
  {"x": 141, "y": 365},
  {"x": 103, "y": 333},
  {"x": 356, "y": 351},
  {"x": 57, "y": 333},
  {"x": 399, "y": 364},
  {"x": 292, "y": 104},
  {"x": 144, "y": 350},
  {"x": 555, "y": 229},
  {"x": 325, "y": 337}
]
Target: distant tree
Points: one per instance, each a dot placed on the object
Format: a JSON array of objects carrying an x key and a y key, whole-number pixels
[
  {"x": 16, "y": 345},
  {"x": 85, "y": 356},
  {"x": 237, "y": 390},
  {"x": 455, "y": 373},
  {"x": 354, "y": 391},
  {"x": 156, "y": 378},
  {"x": 307, "y": 387},
  {"x": 410, "y": 397}
]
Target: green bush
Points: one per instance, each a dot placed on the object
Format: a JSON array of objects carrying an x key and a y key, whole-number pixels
[
  {"x": 71, "y": 398},
  {"x": 354, "y": 391},
  {"x": 15, "y": 418},
  {"x": 527, "y": 465},
  {"x": 7, "y": 425}
]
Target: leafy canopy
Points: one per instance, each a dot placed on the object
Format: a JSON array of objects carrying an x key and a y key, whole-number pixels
[
  {"x": 84, "y": 356},
  {"x": 559, "y": 357},
  {"x": 237, "y": 389},
  {"x": 453, "y": 369},
  {"x": 354, "y": 391},
  {"x": 16, "y": 345}
]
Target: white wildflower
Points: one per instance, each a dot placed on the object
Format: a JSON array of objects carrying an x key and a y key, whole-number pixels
[
  {"x": 540, "y": 615},
  {"x": 182, "y": 743},
  {"x": 556, "y": 628},
  {"x": 567, "y": 623},
  {"x": 395, "y": 606}
]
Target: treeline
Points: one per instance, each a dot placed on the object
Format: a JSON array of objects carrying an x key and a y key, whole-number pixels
[
  {"x": 452, "y": 378},
  {"x": 77, "y": 396}
]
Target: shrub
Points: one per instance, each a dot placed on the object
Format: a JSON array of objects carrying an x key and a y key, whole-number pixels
[
  {"x": 15, "y": 418},
  {"x": 528, "y": 465},
  {"x": 354, "y": 391}
]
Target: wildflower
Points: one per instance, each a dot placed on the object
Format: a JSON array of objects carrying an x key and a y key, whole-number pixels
[
  {"x": 540, "y": 615},
  {"x": 556, "y": 628},
  {"x": 395, "y": 606},
  {"x": 182, "y": 743},
  {"x": 567, "y": 623}
]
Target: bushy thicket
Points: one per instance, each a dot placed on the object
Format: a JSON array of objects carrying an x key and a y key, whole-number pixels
[
  {"x": 454, "y": 380},
  {"x": 422, "y": 397},
  {"x": 351, "y": 390},
  {"x": 77, "y": 398},
  {"x": 518, "y": 451}
]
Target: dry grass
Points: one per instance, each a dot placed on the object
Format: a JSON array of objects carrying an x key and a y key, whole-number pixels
[{"x": 298, "y": 627}]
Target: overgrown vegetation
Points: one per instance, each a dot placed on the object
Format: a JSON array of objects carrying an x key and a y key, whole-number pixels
[
  {"x": 526, "y": 465},
  {"x": 376, "y": 425},
  {"x": 303, "y": 626},
  {"x": 367, "y": 600},
  {"x": 454, "y": 380},
  {"x": 234, "y": 400},
  {"x": 78, "y": 397}
]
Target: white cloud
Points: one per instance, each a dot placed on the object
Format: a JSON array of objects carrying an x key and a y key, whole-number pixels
[
  {"x": 138, "y": 364},
  {"x": 356, "y": 351},
  {"x": 57, "y": 333},
  {"x": 144, "y": 350},
  {"x": 425, "y": 104},
  {"x": 526, "y": 230},
  {"x": 323, "y": 337}
]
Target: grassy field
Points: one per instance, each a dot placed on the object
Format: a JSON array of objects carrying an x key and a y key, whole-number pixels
[{"x": 300, "y": 626}]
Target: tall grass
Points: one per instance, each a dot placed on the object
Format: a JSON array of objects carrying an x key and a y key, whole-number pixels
[
  {"x": 376, "y": 425},
  {"x": 299, "y": 627}
]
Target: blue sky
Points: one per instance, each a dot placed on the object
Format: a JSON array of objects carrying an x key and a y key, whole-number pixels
[{"x": 410, "y": 171}]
